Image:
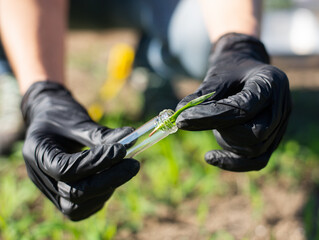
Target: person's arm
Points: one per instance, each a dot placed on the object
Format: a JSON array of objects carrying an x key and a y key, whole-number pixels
[
  {"x": 32, "y": 32},
  {"x": 240, "y": 16}
]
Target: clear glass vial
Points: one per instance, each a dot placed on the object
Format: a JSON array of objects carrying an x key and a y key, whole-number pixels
[{"x": 142, "y": 136}]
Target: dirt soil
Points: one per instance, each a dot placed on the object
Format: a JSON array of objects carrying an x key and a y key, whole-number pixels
[
  {"x": 281, "y": 214},
  {"x": 279, "y": 219}
]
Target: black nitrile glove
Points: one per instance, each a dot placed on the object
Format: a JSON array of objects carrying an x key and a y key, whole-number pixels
[
  {"x": 77, "y": 182},
  {"x": 250, "y": 109}
]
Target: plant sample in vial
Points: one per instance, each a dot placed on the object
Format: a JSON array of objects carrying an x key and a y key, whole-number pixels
[
  {"x": 142, "y": 134},
  {"x": 157, "y": 128}
]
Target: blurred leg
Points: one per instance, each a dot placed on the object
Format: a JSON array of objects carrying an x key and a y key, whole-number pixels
[
  {"x": 174, "y": 39},
  {"x": 10, "y": 116},
  {"x": 188, "y": 39},
  {"x": 175, "y": 43}
]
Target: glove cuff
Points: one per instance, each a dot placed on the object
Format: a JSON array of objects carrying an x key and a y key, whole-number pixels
[
  {"x": 34, "y": 93},
  {"x": 242, "y": 43}
]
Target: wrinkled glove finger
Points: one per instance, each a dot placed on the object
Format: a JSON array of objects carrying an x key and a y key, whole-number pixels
[
  {"x": 92, "y": 134},
  {"x": 245, "y": 155},
  {"x": 254, "y": 137},
  {"x": 99, "y": 184},
  {"x": 46, "y": 184},
  {"x": 251, "y": 138},
  {"x": 61, "y": 166},
  {"x": 77, "y": 212},
  {"x": 233, "y": 162},
  {"x": 235, "y": 109}
]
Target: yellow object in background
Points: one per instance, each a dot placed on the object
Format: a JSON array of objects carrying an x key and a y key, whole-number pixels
[
  {"x": 119, "y": 67},
  {"x": 96, "y": 111}
]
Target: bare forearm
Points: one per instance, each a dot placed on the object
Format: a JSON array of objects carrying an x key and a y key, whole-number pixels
[
  {"x": 33, "y": 32},
  {"x": 224, "y": 16}
]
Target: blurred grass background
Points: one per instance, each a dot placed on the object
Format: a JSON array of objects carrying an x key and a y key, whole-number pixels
[{"x": 176, "y": 195}]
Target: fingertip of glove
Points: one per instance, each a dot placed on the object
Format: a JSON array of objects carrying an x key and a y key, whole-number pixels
[
  {"x": 132, "y": 166},
  {"x": 127, "y": 129},
  {"x": 181, "y": 122},
  {"x": 210, "y": 158}
]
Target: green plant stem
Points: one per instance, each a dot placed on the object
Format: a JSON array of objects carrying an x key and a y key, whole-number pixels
[{"x": 190, "y": 104}]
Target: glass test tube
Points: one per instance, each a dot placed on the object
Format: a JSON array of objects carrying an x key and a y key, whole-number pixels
[{"x": 142, "y": 134}]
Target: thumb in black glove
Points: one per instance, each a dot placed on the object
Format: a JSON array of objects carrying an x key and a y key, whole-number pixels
[
  {"x": 77, "y": 182},
  {"x": 250, "y": 109}
]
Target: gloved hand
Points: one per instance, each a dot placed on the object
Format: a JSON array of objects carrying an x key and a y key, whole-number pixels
[
  {"x": 250, "y": 109},
  {"x": 77, "y": 182}
]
